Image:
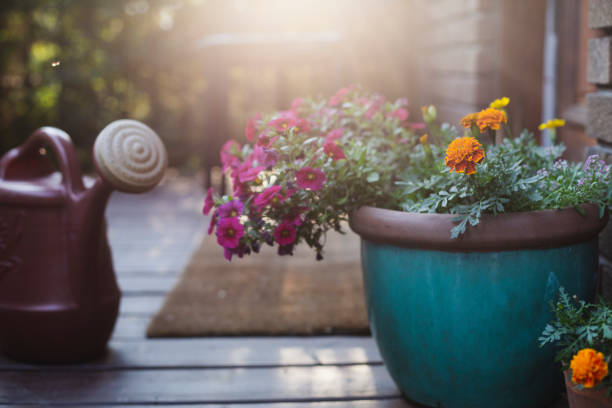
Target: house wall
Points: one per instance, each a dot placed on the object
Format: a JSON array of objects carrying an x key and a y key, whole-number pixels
[
  {"x": 474, "y": 51},
  {"x": 599, "y": 112}
]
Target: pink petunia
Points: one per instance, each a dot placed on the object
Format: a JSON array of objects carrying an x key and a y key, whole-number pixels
[
  {"x": 208, "y": 202},
  {"x": 295, "y": 105},
  {"x": 332, "y": 150},
  {"x": 213, "y": 223},
  {"x": 295, "y": 219},
  {"x": 228, "y": 154},
  {"x": 400, "y": 113},
  {"x": 285, "y": 233},
  {"x": 334, "y": 135},
  {"x": 246, "y": 172},
  {"x": 402, "y": 102},
  {"x": 271, "y": 195},
  {"x": 250, "y": 129},
  {"x": 283, "y": 123},
  {"x": 416, "y": 125},
  {"x": 265, "y": 140},
  {"x": 308, "y": 177},
  {"x": 229, "y": 232},
  {"x": 376, "y": 103},
  {"x": 339, "y": 96},
  {"x": 287, "y": 120},
  {"x": 265, "y": 157}
]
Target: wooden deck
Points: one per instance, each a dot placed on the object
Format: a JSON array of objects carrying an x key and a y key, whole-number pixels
[{"x": 152, "y": 237}]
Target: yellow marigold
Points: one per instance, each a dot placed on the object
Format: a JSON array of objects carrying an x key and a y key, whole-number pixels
[
  {"x": 491, "y": 118},
  {"x": 423, "y": 139},
  {"x": 469, "y": 120},
  {"x": 588, "y": 367},
  {"x": 463, "y": 154},
  {"x": 500, "y": 103},
  {"x": 553, "y": 123}
]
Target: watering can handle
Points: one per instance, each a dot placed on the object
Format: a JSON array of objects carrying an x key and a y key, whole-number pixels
[{"x": 25, "y": 162}]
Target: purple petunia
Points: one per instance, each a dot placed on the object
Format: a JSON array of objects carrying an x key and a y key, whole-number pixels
[{"x": 231, "y": 209}]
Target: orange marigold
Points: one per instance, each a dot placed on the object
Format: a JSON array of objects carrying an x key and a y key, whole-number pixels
[
  {"x": 469, "y": 120},
  {"x": 463, "y": 154},
  {"x": 491, "y": 118},
  {"x": 588, "y": 367}
]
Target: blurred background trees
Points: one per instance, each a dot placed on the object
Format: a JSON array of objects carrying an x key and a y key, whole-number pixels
[{"x": 184, "y": 66}]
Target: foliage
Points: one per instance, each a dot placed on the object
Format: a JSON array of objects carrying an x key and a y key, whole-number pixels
[
  {"x": 315, "y": 163},
  {"x": 579, "y": 325},
  {"x": 515, "y": 175},
  {"x": 312, "y": 165},
  {"x": 78, "y": 65}
]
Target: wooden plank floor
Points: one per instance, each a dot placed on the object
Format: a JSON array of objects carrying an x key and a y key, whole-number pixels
[{"x": 152, "y": 237}]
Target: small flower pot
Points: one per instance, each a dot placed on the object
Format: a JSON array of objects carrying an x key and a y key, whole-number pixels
[
  {"x": 457, "y": 320},
  {"x": 586, "y": 398}
]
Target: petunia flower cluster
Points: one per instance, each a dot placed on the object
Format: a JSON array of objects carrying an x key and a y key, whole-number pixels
[{"x": 304, "y": 169}]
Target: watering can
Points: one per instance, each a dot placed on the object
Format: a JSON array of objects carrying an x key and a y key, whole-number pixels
[{"x": 59, "y": 298}]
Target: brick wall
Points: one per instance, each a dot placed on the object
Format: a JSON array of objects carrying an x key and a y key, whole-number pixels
[
  {"x": 474, "y": 51},
  {"x": 599, "y": 112}
]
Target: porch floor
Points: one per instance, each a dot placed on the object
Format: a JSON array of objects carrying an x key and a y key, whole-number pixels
[{"x": 152, "y": 237}]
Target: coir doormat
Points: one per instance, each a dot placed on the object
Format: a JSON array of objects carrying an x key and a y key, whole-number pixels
[{"x": 267, "y": 294}]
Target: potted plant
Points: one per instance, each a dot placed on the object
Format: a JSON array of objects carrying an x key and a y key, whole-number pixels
[
  {"x": 582, "y": 333},
  {"x": 464, "y": 243}
]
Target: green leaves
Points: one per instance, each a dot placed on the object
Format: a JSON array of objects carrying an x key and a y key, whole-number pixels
[
  {"x": 578, "y": 325},
  {"x": 516, "y": 175},
  {"x": 373, "y": 177}
]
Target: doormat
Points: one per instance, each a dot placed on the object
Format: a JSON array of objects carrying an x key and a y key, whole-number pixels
[{"x": 267, "y": 294}]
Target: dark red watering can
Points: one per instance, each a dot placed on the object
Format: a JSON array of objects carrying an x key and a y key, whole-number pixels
[{"x": 58, "y": 293}]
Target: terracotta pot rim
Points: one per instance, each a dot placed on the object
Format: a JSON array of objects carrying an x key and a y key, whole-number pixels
[
  {"x": 586, "y": 397},
  {"x": 508, "y": 231}
]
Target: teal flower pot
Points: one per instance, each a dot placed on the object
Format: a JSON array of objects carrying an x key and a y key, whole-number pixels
[{"x": 457, "y": 321}]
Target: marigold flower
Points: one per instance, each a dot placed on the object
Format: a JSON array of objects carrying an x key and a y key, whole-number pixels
[
  {"x": 551, "y": 124},
  {"x": 500, "y": 103},
  {"x": 491, "y": 118},
  {"x": 588, "y": 367},
  {"x": 463, "y": 154},
  {"x": 469, "y": 120},
  {"x": 423, "y": 139},
  {"x": 310, "y": 178}
]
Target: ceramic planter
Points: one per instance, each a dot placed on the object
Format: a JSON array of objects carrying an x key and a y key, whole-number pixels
[
  {"x": 585, "y": 398},
  {"x": 457, "y": 320}
]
